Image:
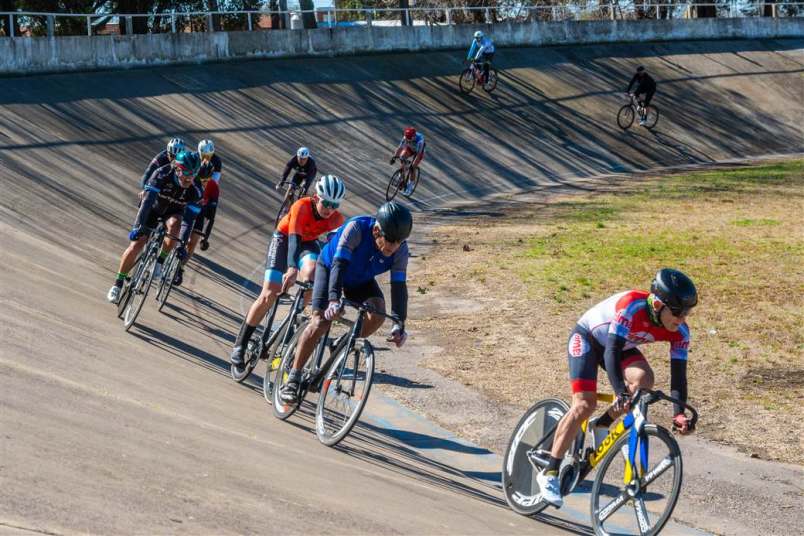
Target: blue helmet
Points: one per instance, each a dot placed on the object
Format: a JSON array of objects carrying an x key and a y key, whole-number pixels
[{"x": 189, "y": 162}]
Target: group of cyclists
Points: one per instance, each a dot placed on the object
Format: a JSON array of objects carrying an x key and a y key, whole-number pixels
[{"x": 342, "y": 257}]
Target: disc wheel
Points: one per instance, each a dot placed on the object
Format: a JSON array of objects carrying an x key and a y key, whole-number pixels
[
  {"x": 651, "y": 117},
  {"x": 467, "y": 81},
  {"x": 344, "y": 393},
  {"x": 625, "y": 117},
  {"x": 394, "y": 185},
  {"x": 491, "y": 83},
  {"x": 519, "y": 484},
  {"x": 625, "y": 502}
]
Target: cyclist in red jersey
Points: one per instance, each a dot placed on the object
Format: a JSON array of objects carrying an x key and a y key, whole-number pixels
[
  {"x": 293, "y": 252},
  {"x": 607, "y": 336}
]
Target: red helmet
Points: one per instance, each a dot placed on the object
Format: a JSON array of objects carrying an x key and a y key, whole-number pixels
[{"x": 410, "y": 133}]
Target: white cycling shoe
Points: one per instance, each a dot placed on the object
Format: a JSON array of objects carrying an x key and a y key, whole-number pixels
[
  {"x": 551, "y": 489},
  {"x": 114, "y": 294}
]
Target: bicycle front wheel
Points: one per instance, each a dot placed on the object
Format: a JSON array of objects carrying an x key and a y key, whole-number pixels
[
  {"x": 519, "y": 484},
  {"x": 651, "y": 117},
  {"x": 166, "y": 284},
  {"x": 289, "y": 199},
  {"x": 414, "y": 177},
  {"x": 491, "y": 83},
  {"x": 139, "y": 291},
  {"x": 394, "y": 185},
  {"x": 271, "y": 390},
  {"x": 467, "y": 81},
  {"x": 628, "y": 503},
  {"x": 344, "y": 393},
  {"x": 625, "y": 117}
]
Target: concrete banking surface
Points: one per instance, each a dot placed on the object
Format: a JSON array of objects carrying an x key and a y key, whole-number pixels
[{"x": 107, "y": 432}]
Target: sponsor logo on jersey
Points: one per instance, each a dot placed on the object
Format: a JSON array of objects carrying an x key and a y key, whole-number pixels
[
  {"x": 641, "y": 337},
  {"x": 577, "y": 345}
]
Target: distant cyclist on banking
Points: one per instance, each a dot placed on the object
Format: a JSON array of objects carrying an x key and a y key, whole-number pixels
[
  {"x": 607, "y": 336},
  {"x": 482, "y": 52},
  {"x": 363, "y": 248},
  {"x": 293, "y": 252}
]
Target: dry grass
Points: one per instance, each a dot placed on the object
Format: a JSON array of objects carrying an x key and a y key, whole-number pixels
[{"x": 504, "y": 308}]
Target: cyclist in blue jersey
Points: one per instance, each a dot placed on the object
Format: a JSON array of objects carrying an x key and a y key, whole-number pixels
[
  {"x": 482, "y": 52},
  {"x": 361, "y": 249},
  {"x": 411, "y": 146},
  {"x": 171, "y": 192}
]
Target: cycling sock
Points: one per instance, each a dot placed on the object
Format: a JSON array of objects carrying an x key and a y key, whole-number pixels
[
  {"x": 245, "y": 334},
  {"x": 162, "y": 255},
  {"x": 552, "y": 466},
  {"x": 605, "y": 420},
  {"x": 121, "y": 276}
]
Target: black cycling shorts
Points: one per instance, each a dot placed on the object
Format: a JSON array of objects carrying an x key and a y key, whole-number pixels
[
  {"x": 360, "y": 293},
  {"x": 276, "y": 260}
]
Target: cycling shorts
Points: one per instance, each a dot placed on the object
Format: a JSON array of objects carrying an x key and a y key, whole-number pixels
[
  {"x": 585, "y": 355},
  {"x": 276, "y": 260},
  {"x": 360, "y": 293}
]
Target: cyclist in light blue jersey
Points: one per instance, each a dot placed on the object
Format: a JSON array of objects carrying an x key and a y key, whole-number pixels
[{"x": 482, "y": 52}]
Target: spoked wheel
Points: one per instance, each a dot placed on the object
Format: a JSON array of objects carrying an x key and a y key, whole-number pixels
[
  {"x": 416, "y": 174},
  {"x": 491, "y": 83},
  {"x": 467, "y": 81},
  {"x": 125, "y": 297},
  {"x": 625, "y": 503},
  {"x": 344, "y": 393},
  {"x": 283, "y": 410},
  {"x": 166, "y": 284},
  {"x": 394, "y": 185},
  {"x": 521, "y": 490},
  {"x": 139, "y": 291},
  {"x": 289, "y": 199},
  {"x": 625, "y": 117},
  {"x": 250, "y": 360},
  {"x": 651, "y": 117}
]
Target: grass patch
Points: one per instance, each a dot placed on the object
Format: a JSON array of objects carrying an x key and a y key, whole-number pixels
[{"x": 738, "y": 233}]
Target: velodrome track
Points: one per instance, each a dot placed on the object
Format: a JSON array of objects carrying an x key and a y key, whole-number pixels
[{"x": 107, "y": 432}]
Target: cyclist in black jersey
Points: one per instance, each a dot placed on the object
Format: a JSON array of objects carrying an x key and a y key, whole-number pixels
[
  {"x": 645, "y": 85},
  {"x": 163, "y": 158},
  {"x": 303, "y": 167}
]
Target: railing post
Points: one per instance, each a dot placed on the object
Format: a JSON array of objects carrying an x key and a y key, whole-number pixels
[
  {"x": 210, "y": 28},
  {"x": 613, "y": 13},
  {"x": 51, "y": 25},
  {"x": 129, "y": 25},
  {"x": 448, "y": 16},
  {"x": 773, "y": 10},
  {"x": 89, "y": 25},
  {"x": 407, "y": 17},
  {"x": 248, "y": 17},
  {"x": 173, "y": 21},
  {"x": 488, "y": 16},
  {"x": 368, "y": 18},
  {"x": 11, "y": 24}
]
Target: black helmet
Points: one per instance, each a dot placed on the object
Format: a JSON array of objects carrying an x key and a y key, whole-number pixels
[
  {"x": 675, "y": 290},
  {"x": 641, "y": 69},
  {"x": 395, "y": 221}
]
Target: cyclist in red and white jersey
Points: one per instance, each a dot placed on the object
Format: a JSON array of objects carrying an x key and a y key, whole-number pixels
[
  {"x": 607, "y": 336},
  {"x": 411, "y": 146}
]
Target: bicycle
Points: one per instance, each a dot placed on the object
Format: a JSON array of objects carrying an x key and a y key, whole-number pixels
[
  {"x": 351, "y": 362},
  {"x": 473, "y": 75},
  {"x": 294, "y": 192},
  {"x": 396, "y": 184},
  {"x": 271, "y": 343},
  {"x": 628, "y": 112},
  {"x": 615, "y": 483},
  {"x": 135, "y": 289}
]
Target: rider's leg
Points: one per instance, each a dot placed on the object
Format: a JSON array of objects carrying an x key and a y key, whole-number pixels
[
  {"x": 307, "y": 272},
  {"x": 173, "y": 227},
  {"x": 371, "y": 294},
  {"x": 129, "y": 257},
  {"x": 318, "y": 324}
]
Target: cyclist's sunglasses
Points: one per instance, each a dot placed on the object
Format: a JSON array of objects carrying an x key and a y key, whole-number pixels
[
  {"x": 679, "y": 312},
  {"x": 330, "y": 204},
  {"x": 183, "y": 171}
]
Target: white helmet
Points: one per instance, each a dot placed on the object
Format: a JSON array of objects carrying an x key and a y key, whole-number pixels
[
  {"x": 175, "y": 146},
  {"x": 478, "y": 35},
  {"x": 303, "y": 152},
  {"x": 330, "y": 188},
  {"x": 206, "y": 148}
]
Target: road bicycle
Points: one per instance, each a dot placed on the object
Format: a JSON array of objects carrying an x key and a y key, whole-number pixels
[
  {"x": 628, "y": 112},
  {"x": 473, "y": 75},
  {"x": 397, "y": 184},
  {"x": 629, "y": 472},
  {"x": 342, "y": 381},
  {"x": 295, "y": 190},
  {"x": 135, "y": 289},
  {"x": 270, "y": 343}
]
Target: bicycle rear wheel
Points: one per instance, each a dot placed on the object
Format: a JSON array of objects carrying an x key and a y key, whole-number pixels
[
  {"x": 491, "y": 83},
  {"x": 344, "y": 393},
  {"x": 283, "y": 410},
  {"x": 467, "y": 81},
  {"x": 521, "y": 491},
  {"x": 139, "y": 290},
  {"x": 625, "y": 117},
  {"x": 166, "y": 284},
  {"x": 254, "y": 349},
  {"x": 648, "y": 499},
  {"x": 651, "y": 117},
  {"x": 394, "y": 185}
]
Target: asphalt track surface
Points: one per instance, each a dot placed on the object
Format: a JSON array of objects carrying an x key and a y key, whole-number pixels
[{"x": 107, "y": 432}]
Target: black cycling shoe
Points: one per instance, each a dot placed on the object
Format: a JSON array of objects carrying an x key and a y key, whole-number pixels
[
  {"x": 237, "y": 356},
  {"x": 178, "y": 278},
  {"x": 290, "y": 392}
]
